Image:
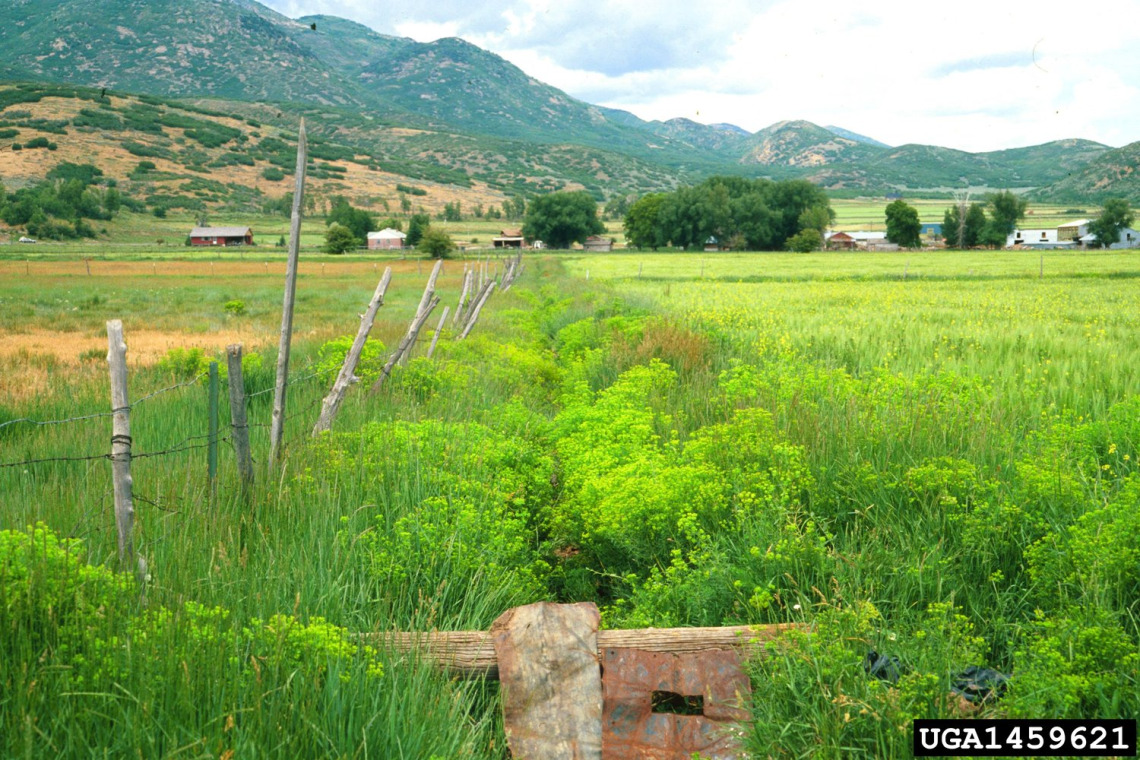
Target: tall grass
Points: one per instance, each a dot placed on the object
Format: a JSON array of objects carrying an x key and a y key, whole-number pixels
[{"x": 944, "y": 469}]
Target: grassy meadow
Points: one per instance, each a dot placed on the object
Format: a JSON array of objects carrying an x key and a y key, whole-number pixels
[{"x": 927, "y": 455}]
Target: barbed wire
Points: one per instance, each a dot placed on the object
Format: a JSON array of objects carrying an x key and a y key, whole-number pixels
[
  {"x": 182, "y": 446},
  {"x": 96, "y": 415},
  {"x": 27, "y": 462},
  {"x": 38, "y": 423},
  {"x": 295, "y": 381},
  {"x": 161, "y": 391},
  {"x": 177, "y": 448}
]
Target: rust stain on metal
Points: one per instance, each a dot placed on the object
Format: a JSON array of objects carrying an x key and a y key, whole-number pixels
[
  {"x": 709, "y": 682},
  {"x": 551, "y": 684}
]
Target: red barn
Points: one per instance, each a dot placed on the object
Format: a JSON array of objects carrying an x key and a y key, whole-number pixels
[
  {"x": 221, "y": 236},
  {"x": 841, "y": 241}
]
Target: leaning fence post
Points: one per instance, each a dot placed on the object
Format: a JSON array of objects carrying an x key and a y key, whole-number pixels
[
  {"x": 277, "y": 427},
  {"x": 478, "y": 307},
  {"x": 212, "y": 429},
  {"x": 468, "y": 276},
  {"x": 438, "y": 329},
  {"x": 414, "y": 330},
  {"x": 121, "y": 443},
  {"x": 347, "y": 377},
  {"x": 405, "y": 343},
  {"x": 240, "y": 427}
]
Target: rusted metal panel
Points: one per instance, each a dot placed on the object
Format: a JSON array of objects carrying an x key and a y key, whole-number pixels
[
  {"x": 551, "y": 684},
  {"x": 711, "y": 683}
]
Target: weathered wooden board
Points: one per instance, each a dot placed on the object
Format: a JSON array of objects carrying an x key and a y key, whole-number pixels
[
  {"x": 551, "y": 683},
  {"x": 472, "y": 653}
]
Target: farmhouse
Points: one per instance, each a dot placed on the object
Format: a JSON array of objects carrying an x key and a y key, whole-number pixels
[
  {"x": 598, "y": 243},
  {"x": 873, "y": 240},
  {"x": 1129, "y": 238},
  {"x": 386, "y": 239},
  {"x": 221, "y": 236},
  {"x": 509, "y": 239},
  {"x": 840, "y": 241},
  {"x": 1045, "y": 239}
]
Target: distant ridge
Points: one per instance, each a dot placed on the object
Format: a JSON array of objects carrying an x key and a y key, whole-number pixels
[
  {"x": 465, "y": 113},
  {"x": 856, "y": 136}
]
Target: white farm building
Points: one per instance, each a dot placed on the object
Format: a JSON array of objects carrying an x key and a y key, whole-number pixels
[{"x": 386, "y": 239}]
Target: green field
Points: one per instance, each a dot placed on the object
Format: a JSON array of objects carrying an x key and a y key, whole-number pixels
[
  {"x": 870, "y": 214},
  {"x": 928, "y": 455}
]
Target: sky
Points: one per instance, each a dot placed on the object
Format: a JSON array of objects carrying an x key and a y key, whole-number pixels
[{"x": 975, "y": 75}]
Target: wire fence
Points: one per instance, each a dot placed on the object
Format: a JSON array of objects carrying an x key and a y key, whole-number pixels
[{"x": 191, "y": 443}]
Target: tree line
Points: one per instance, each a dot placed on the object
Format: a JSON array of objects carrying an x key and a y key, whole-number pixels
[{"x": 733, "y": 213}]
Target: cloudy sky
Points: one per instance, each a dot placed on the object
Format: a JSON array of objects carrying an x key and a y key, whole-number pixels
[{"x": 972, "y": 74}]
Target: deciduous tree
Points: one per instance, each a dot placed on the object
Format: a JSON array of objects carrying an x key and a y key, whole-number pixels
[
  {"x": 358, "y": 221},
  {"x": 903, "y": 227},
  {"x": 339, "y": 239},
  {"x": 805, "y": 241},
  {"x": 436, "y": 243},
  {"x": 1114, "y": 217},
  {"x": 416, "y": 226},
  {"x": 562, "y": 218},
  {"x": 1006, "y": 210},
  {"x": 641, "y": 224},
  {"x": 971, "y": 231}
]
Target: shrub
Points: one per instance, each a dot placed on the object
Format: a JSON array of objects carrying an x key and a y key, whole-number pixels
[
  {"x": 40, "y": 142},
  {"x": 805, "y": 241},
  {"x": 436, "y": 243},
  {"x": 235, "y": 307},
  {"x": 339, "y": 239},
  {"x": 331, "y": 355},
  {"x": 183, "y": 363}
]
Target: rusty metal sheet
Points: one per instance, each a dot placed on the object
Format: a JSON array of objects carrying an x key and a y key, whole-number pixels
[
  {"x": 551, "y": 682},
  {"x": 710, "y": 683}
]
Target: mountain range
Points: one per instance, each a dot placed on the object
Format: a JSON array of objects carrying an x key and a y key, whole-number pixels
[{"x": 451, "y": 111}]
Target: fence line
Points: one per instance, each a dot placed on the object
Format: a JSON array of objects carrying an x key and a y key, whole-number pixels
[{"x": 507, "y": 278}]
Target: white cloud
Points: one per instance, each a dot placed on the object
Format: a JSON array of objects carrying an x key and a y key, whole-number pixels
[{"x": 975, "y": 75}]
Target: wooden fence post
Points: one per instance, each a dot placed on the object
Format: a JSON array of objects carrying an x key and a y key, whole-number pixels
[
  {"x": 121, "y": 443},
  {"x": 212, "y": 429},
  {"x": 429, "y": 293},
  {"x": 418, "y": 326},
  {"x": 239, "y": 425},
  {"x": 405, "y": 343},
  {"x": 413, "y": 328},
  {"x": 438, "y": 329},
  {"x": 468, "y": 276},
  {"x": 347, "y": 376},
  {"x": 277, "y": 427},
  {"x": 478, "y": 307}
]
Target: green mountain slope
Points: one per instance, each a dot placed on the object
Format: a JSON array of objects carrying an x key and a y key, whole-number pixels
[
  {"x": 171, "y": 47},
  {"x": 1112, "y": 174},
  {"x": 471, "y": 114},
  {"x": 802, "y": 144},
  {"x": 1047, "y": 163}
]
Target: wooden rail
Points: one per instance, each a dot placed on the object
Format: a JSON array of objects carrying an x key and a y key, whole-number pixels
[{"x": 472, "y": 653}]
